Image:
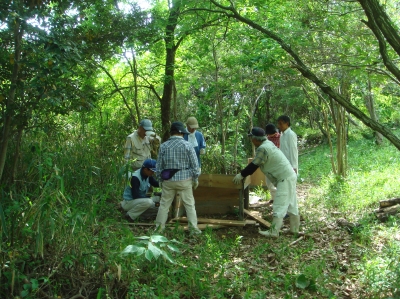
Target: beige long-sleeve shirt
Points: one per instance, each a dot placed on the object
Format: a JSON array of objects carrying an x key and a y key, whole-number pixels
[{"x": 289, "y": 147}]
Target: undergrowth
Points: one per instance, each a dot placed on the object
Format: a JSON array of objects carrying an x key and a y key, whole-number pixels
[{"x": 62, "y": 235}]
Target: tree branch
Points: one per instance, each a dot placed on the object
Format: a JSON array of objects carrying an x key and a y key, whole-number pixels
[
  {"x": 307, "y": 73},
  {"x": 121, "y": 94}
]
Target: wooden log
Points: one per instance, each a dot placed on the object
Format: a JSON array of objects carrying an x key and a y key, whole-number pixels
[
  {"x": 218, "y": 221},
  {"x": 389, "y": 202},
  {"x": 258, "y": 219},
  {"x": 391, "y": 210}
]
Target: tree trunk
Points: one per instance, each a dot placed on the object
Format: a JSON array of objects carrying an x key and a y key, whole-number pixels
[
  {"x": 230, "y": 11},
  {"x": 16, "y": 154},
  {"x": 169, "y": 71},
  {"x": 18, "y": 33},
  {"x": 134, "y": 71},
  {"x": 369, "y": 103}
]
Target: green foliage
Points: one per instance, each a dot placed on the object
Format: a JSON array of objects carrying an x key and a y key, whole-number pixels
[
  {"x": 372, "y": 176},
  {"x": 152, "y": 247}
]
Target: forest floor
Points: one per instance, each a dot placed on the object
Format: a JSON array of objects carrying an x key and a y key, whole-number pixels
[
  {"x": 71, "y": 248},
  {"x": 330, "y": 261}
]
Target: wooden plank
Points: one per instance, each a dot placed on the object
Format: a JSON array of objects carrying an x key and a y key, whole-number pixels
[
  {"x": 220, "y": 181},
  {"x": 389, "y": 202},
  {"x": 218, "y": 221},
  {"x": 172, "y": 226},
  {"x": 259, "y": 219},
  {"x": 209, "y": 200}
]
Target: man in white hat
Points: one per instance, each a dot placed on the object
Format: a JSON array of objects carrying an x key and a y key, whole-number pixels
[
  {"x": 195, "y": 138},
  {"x": 140, "y": 143}
]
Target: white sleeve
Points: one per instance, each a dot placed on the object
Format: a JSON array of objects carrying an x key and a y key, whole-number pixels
[{"x": 293, "y": 151}]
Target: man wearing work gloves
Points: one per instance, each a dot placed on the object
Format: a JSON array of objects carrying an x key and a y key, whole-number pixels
[
  {"x": 136, "y": 203},
  {"x": 139, "y": 144},
  {"x": 178, "y": 170},
  {"x": 195, "y": 138},
  {"x": 279, "y": 171}
]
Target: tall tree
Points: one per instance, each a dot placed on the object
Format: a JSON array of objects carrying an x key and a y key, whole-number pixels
[{"x": 298, "y": 63}]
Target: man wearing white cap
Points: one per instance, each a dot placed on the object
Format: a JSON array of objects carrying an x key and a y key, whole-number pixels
[
  {"x": 139, "y": 144},
  {"x": 195, "y": 138}
]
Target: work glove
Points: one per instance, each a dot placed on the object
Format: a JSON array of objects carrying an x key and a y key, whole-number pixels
[
  {"x": 195, "y": 184},
  {"x": 238, "y": 178},
  {"x": 202, "y": 151}
]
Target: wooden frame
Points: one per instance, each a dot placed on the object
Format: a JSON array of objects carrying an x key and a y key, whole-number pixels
[{"x": 217, "y": 194}]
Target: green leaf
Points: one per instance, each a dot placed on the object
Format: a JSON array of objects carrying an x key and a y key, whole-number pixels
[
  {"x": 35, "y": 284},
  {"x": 143, "y": 238},
  {"x": 24, "y": 293},
  {"x": 130, "y": 249},
  {"x": 139, "y": 250},
  {"x": 173, "y": 248},
  {"x": 149, "y": 255},
  {"x": 176, "y": 241},
  {"x": 167, "y": 257},
  {"x": 158, "y": 238},
  {"x": 302, "y": 282},
  {"x": 154, "y": 250}
]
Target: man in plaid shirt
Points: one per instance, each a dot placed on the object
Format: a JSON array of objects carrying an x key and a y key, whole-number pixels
[{"x": 178, "y": 171}]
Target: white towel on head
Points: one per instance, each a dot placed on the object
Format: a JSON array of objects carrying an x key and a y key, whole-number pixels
[{"x": 192, "y": 139}]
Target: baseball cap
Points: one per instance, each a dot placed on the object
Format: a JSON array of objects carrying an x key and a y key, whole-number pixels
[
  {"x": 270, "y": 129},
  {"x": 150, "y": 164},
  {"x": 146, "y": 124},
  {"x": 178, "y": 126},
  {"x": 192, "y": 123},
  {"x": 257, "y": 132}
]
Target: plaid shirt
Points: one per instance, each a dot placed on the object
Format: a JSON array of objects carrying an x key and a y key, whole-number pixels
[
  {"x": 275, "y": 139},
  {"x": 177, "y": 153}
]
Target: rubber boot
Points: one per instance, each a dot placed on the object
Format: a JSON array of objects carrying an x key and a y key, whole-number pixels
[
  {"x": 275, "y": 228},
  {"x": 294, "y": 223}
]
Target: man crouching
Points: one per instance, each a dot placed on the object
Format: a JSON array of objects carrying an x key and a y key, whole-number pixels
[
  {"x": 279, "y": 171},
  {"x": 136, "y": 202}
]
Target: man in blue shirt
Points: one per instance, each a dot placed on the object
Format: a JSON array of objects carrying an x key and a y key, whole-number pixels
[
  {"x": 195, "y": 138},
  {"x": 178, "y": 171},
  {"x": 136, "y": 202}
]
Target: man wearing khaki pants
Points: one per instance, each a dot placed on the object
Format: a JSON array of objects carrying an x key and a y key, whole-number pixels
[{"x": 178, "y": 171}]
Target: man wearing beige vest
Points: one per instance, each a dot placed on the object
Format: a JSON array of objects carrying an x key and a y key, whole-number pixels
[{"x": 140, "y": 143}]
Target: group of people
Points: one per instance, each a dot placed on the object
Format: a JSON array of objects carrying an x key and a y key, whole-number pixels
[{"x": 178, "y": 168}]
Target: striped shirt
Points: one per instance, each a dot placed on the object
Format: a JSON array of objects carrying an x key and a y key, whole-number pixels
[{"x": 177, "y": 153}]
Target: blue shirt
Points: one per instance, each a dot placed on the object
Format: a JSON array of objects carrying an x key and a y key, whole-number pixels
[
  {"x": 201, "y": 144},
  {"x": 177, "y": 153}
]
